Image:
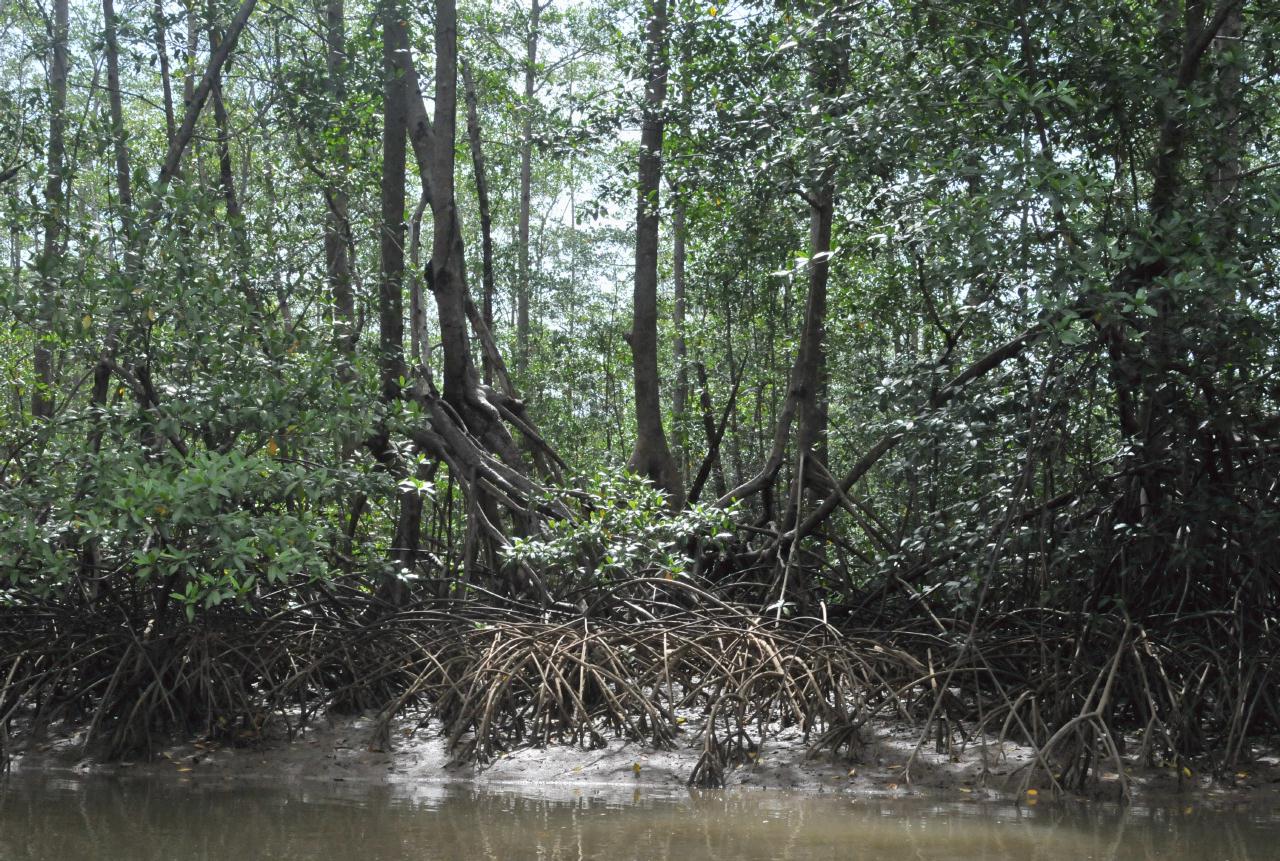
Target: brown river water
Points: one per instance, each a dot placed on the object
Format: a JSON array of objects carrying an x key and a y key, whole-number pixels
[{"x": 47, "y": 817}]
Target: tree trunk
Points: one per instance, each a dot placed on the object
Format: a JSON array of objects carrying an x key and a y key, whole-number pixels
[
  {"x": 226, "y": 172},
  {"x": 811, "y": 430},
  {"x": 124, "y": 191},
  {"x": 391, "y": 364},
  {"x": 189, "y": 80},
  {"x": 482, "y": 410},
  {"x": 337, "y": 225},
  {"x": 391, "y": 368},
  {"x": 526, "y": 182},
  {"x": 419, "y": 334},
  {"x": 162, "y": 56},
  {"x": 482, "y": 197},
  {"x": 651, "y": 457},
  {"x": 679, "y": 230},
  {"x": 55, "y": 205},
  {"x": 91, "y": 559},
  {"x": 1162, "y": 342},
  {"x": 680, "y": 400},
  {"x": 447, "y": 267}
]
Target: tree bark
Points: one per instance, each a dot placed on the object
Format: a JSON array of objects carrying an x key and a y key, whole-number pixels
[
  {"x": 526, "y": 189},
  {"x": 391, "y": 367},
  {"x": 222, "y": 126},
  {"x": 651, "y": 457},
  {"x": 680, "y": 399},
  {"x": 482, "y": 198},
  {"x": 55, "y": 205},
  {"x": 391, "y": 363},
  {"x": 124, "y": 191},
  {"x": 337, "y": 224},
  {"x": 447, "y": 267},
  {"x": 481, "y": 408},
  {"x": 162, "y": 56},
  {"x": 810, "y": 371},
  {"x": 679, "y": 254},
  {"x": 189, "y": 80}
]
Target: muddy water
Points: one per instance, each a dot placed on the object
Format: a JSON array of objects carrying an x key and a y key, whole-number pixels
[{"x": 108, "y": 818}]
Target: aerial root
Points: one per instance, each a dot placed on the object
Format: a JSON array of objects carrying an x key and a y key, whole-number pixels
[
  {"x": 1073, "y": 691},
  {"x": 494, "y": 679}
]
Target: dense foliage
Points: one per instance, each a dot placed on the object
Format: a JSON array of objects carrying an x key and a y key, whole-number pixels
[{"x": 967, "y": 332}]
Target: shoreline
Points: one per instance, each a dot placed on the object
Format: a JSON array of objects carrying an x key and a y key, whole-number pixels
[{"x": 339, "y": 750}]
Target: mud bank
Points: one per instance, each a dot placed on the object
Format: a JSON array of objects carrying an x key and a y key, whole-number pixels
[{"x": 889, "y": 764}]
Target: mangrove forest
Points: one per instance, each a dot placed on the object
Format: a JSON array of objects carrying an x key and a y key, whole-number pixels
[{"x": 560, "y": 371}]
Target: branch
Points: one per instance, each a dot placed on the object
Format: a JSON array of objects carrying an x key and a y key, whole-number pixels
[
  {"x": 212, "y": 74},
  {"x": 713, "y": 444},
  {"x": 1200, "y": 43},
  {"x": 983, "y": 366}
]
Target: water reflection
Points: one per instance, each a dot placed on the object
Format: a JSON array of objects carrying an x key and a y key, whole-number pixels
[{"x": 104, "y": 818}]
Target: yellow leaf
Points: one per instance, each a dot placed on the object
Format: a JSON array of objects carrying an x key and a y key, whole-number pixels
[
  {"x": 151, "y": 314},
  {"x": 1186, "y": 772},
  {"x": 184, "y": 769},
  {"x": 86, "y": 321},
  {"x": 1033, "y": 792},
  {"x": 712, "y": 11}
]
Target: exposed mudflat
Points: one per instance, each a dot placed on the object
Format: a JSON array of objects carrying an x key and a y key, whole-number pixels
[{"x": 342, "y": 749}]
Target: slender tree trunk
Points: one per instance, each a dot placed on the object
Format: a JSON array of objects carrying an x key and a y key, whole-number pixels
[
  {"x": 448, "y": 281},
  {"x": 226, "y": 171},
  {"x": 198, "y": 94},
  {"x": 526, "y": 182},
  {"x": 91, "y": 558},
  {"x": 828, "y": 73},
  {"x": 392, "y": 234},
  {"x": 811, "y": 430},
  {"x": 337, "y": 225},
  {"x": 714, "y": 434},
  {"x": 805, "y": 402},
  {"x": 482, "y": 196},
  {"x": 679, "y": 230},
  {"x": 391, "y": 364},
  {"x": 222, "y": 126},
  {"x": 680, "y": 399},
  {"x": 124, "y": 191},
  {"x": 651, "y": 456},
  {"x": 189, "y": 80},
  {"x": 162, "y": 56},
  {"x": 419, "y": 335},
  {"x": 55, "y": 206}
]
